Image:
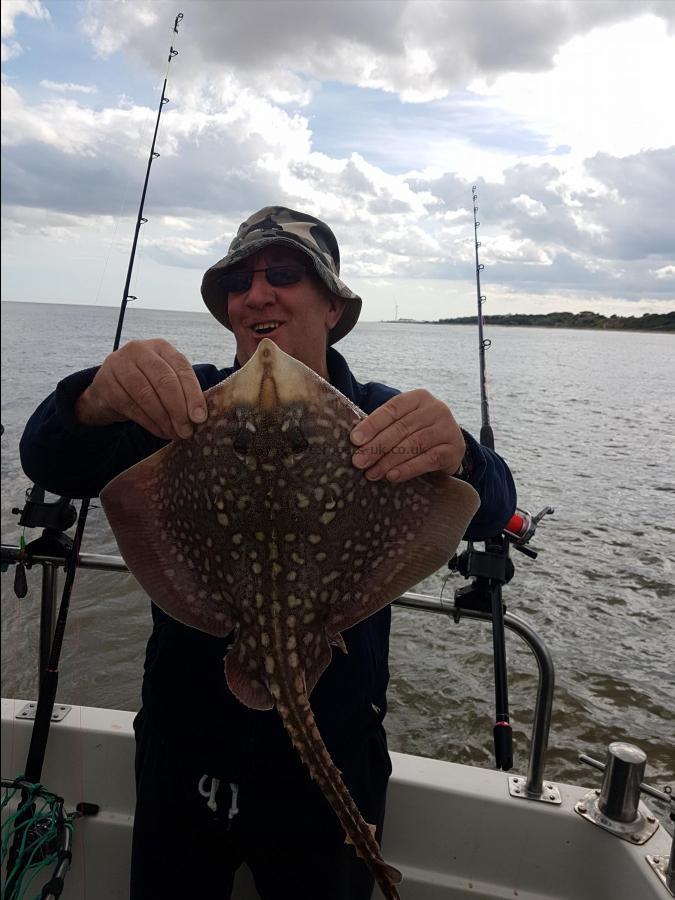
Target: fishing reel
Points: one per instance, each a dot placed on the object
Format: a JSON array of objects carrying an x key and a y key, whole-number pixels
[
  {"x": 55, "y": 517},
  {"x": 520, "y": 529},
  {"x": 518, "y": 532}
]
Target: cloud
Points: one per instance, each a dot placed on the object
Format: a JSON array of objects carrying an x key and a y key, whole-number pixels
[
  {"x": 187, "y": 253},
  {"x": 68, "y": 87},
  {"x": 541, "y": 233},
  {"x": 108, "y": 30},
  {"x": 67, "y": 126},
  {"x": 606, "y": 92},
  {"x": 419, "y": 49},
  {"x": 535, "y": 209},
  {"x": 9, "y": 10},
  {"x": 556, "y": 221},
  {"x": 10, "y": 49},
  {"x": 635, "y": 215},
  {"x": 22, "y": 222},
  {"x": 242, "y": 145}
]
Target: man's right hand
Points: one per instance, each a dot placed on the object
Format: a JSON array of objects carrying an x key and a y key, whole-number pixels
[{"x": 148, "y": 382}]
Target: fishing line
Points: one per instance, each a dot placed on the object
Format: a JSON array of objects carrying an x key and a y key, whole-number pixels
[
  {"x": 78, "y": 755},
  {"x": 17, "y": 639},
  {"x": 142, "y": 141},
  {"x": 21, "y": 640}
]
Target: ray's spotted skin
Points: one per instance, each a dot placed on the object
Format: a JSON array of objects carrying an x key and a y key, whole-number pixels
[{"x": 260, "y": 526}]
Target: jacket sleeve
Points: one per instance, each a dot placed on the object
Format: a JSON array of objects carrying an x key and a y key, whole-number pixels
[
  {"x": 74, "y": 460},
  {"x": 491, "y": 477}
]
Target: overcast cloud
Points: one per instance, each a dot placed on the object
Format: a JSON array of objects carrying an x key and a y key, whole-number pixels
[{"x": 377, "y": 116}]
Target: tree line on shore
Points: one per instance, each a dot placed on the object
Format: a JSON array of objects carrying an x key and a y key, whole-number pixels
[{"x": 586, "y": 319}]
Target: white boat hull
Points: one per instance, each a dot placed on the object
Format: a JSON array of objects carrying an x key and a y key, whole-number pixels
[{"x": 452, "y": 830}]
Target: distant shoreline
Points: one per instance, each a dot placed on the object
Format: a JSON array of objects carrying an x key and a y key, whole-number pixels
[
  {"x": 663, "y": 322},
  {"x": 647, "y": 322}
]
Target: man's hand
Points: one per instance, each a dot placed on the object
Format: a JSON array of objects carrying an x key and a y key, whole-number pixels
[
  {"x": 409, "y": 435},
  {"x": 148, "y": 382}
]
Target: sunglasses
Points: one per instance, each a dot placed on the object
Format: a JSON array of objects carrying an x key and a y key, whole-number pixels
[{"x": 277, "y": 276}]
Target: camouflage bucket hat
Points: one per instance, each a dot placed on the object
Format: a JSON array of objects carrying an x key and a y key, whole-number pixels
[{"x": 278, "y": 224}]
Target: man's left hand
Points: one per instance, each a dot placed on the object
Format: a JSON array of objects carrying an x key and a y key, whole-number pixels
[{"x": 409, "y": 435}]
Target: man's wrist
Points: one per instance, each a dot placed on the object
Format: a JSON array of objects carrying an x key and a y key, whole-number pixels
[
  {"x": 88, "y": 412},
  {"x": 81, "y": 410}
]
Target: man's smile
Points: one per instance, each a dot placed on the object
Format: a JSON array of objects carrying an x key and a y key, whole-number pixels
[{"x": 266, "y": 328}]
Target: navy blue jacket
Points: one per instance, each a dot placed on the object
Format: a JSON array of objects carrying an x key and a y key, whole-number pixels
[{"x": 184, "y": 691}]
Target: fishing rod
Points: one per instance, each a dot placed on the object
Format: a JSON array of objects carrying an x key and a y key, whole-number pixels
[
  {"x": 487, "y": 438},
  {"x": 141, "y": 220},
  {"x": 492, "y": 568},
  {"x": 55, "y": 517}
]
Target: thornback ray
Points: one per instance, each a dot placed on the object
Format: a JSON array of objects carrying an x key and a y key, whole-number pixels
[{"x": 260, "y": 527}]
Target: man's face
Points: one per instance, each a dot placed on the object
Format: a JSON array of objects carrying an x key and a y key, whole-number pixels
[{"x": 302, "y": 313}]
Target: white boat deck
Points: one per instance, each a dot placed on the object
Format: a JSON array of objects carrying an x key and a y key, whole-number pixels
[{"x": 452, "y": 830}]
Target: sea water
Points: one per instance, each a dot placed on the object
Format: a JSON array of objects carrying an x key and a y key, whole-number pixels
[{"x": 586, "y": 422}]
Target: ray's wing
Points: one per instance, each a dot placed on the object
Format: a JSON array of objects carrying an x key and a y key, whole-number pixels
[
  {"x": 168, "y": 518},
  {"x": 406, "y": 532},
  {"x": 371, "y": 541}
]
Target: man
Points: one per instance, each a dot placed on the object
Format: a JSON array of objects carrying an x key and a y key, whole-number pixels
[{"x": 217, "y": 783}]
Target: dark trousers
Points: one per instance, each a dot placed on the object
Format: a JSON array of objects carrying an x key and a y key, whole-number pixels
[{"x": 284, "y": 830}]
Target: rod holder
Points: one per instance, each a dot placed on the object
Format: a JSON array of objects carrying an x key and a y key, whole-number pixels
[
  {"x": 615, "y": 806},
  {"x": 620, "y": 791}
]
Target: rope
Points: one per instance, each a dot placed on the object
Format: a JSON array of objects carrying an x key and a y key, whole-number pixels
[{"x": 43, "y": 831}]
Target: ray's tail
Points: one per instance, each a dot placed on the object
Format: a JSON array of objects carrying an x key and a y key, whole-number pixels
[{"x": 298, "y": 719}]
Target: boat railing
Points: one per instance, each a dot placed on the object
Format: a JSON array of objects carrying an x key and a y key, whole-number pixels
[{"x": 533, "y": 788}]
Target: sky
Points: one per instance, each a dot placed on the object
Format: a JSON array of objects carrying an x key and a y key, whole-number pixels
[{"x": 377, "y": 116}]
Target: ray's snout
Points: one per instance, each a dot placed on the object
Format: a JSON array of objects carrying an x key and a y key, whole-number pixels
[{"x": 272, "y": 378}]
